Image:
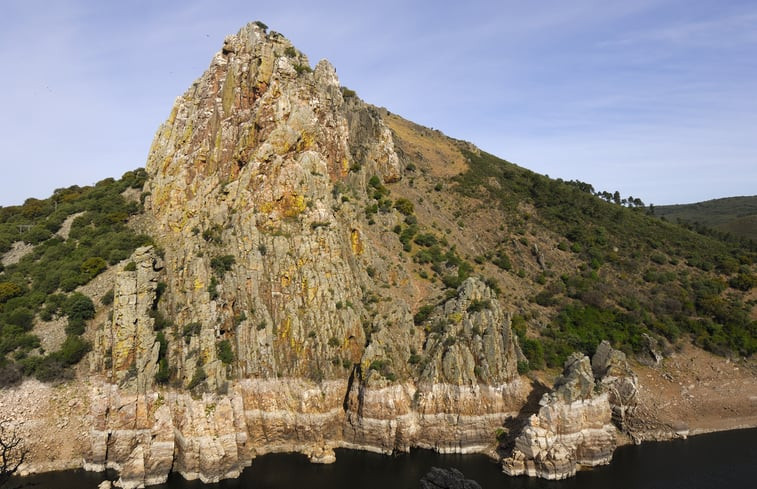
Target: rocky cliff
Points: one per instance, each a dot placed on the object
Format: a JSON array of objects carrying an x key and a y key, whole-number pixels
[
  {"x": 277, "y": 312},
  {"x": 574, "y": 427}
]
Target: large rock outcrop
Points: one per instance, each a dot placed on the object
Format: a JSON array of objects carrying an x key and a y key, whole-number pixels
[
  {"x": 127, "y": 347},
  {"x": 616, "y": 378},
  {"x": 464, "y": 383},
  {"x": 275, "y": 312},
  {"x": 574, "y": 426}
]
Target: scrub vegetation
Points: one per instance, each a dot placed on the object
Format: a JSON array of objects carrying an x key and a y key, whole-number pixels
[
  {"x": 42, "y": 285},
  {"x": 641, "y": 280}
]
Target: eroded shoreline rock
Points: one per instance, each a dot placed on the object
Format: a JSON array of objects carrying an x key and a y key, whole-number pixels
[{"x": 574, "y": 426}]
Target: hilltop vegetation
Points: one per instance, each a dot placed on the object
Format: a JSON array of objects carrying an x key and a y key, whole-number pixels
[
  {"x": 733, "y": 215},
  {"x": 640, "y": 279},
  {"x": 42, "y": 284}
]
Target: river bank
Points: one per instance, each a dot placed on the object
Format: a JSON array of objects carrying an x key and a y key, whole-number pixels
[
  {"x": 723, "y": 459},
  {"x": 691, "y": 392}
]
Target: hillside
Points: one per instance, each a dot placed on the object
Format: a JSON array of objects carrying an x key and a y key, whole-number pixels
[
  {"x": 297, "y": 270},
  {"x": 733, "y": 215}
]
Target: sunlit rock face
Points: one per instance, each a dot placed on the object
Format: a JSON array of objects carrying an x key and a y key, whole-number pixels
[
  {"x": 273, "y": 314},
  {"x": 574, "y": 426}
]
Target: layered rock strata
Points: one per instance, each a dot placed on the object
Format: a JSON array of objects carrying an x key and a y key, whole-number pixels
[
  {"x": 145, "y": 431},
  {"x": 574, "y": 426}
]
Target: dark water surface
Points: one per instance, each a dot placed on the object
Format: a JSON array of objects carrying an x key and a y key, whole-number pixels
[{"x": 718, "y": 460}]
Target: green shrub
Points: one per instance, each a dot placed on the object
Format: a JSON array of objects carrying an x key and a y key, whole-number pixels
[
  {"x": 199, "y": 377},
  {"x": 107, "y": 298},
  {"x": 523, "y": 367},
  {"x": 213, "y": 234},
  {"x": 502, "y": 260},
  {"x": 302, "y": 68},
  {"x": 21, "y": 317},
  {"x": 52, "y": 368},
  {"x": 477, "y": 305},
  {"x": 160, "y": 322},
  {"x": 425, "y": 239},
  {"x": 10, "y": 374},
  {"x": 91, "y": 267},
  {"x": 224, "y": 351},
  {"x": 404, "y": 206},
  {"x": 191, "y": 329},
  {"x": 423, "y": 314},
  {"x": 8, "y": 290},
  {"x": 222, "y": 264},
  {"x": 347, "y": 93},
  {"x": 213, "y": 288},
  {"x": 79, "y": 307},
  {"x": 743, "y": 281},
  {"x": 73, "y": 349},
  {"x": 163, "y": 375}
]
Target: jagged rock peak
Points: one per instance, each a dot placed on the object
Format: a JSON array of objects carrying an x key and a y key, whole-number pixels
[
  {"x": 577, "y": 380},
  {"x": 244, "y": 171}
]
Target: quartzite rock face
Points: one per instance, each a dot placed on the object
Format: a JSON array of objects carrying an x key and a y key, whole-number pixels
[
  {"x": 290, "y": 308},
  {"x": 126, "y": 348},
  {"x": 615, "y": 377},
  {"x": 572, "y": 428}
]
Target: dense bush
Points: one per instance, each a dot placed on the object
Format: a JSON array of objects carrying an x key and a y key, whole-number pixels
[
  {"x": 222, "y": 264},
  {"x": 224, "y": 351}
]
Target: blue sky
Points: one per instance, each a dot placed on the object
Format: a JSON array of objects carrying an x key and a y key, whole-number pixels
[{"x": 654, "y": 98}]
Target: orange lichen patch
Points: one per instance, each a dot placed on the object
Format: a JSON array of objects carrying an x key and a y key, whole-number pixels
[
  {"x": 427, "y": 148},
  {"x": 356, "y": 242}
]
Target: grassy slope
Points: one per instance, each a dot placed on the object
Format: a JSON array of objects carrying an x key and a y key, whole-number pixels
[{"x": 734, "y": 215}]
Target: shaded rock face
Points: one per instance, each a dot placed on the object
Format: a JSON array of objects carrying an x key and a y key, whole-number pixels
[
  {"x": 616, "y": 378},
  {"x": 573, "y": 427},
  {"x": 284, "y": 333}
]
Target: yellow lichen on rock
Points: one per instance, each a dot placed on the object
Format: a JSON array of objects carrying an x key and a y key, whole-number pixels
[
  {"x": 356, "y": 242},
  {"x": 292, "y": 205}
]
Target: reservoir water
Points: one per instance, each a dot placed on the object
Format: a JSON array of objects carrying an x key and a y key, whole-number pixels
[{"x": 717, "y": 460}]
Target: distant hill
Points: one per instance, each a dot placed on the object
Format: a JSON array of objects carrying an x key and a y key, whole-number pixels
[{"x": 735, "y": 215}]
